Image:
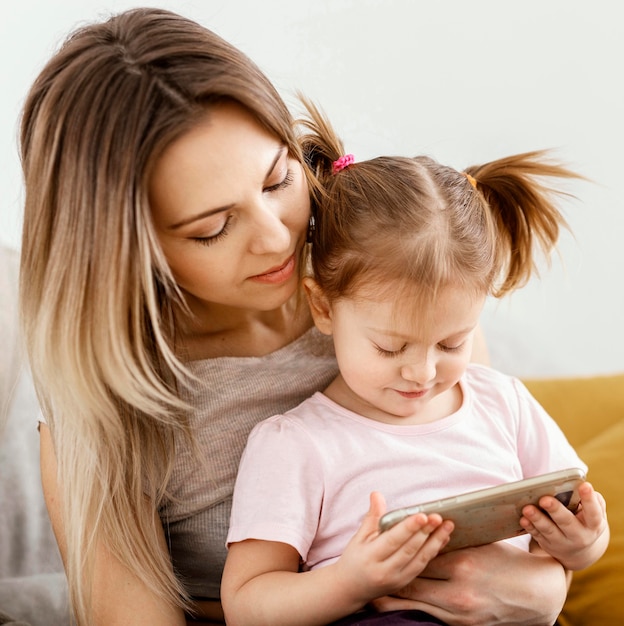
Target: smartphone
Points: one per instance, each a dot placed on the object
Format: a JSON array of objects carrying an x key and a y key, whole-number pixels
[{"x": 494, "y": 513}]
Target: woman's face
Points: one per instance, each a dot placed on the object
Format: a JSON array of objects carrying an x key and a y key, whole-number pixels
[{"x": 231, "y": 210}]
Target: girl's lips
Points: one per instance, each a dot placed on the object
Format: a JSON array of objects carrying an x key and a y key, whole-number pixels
[
  {"x": 277, "y": 275},
  {"x": 412, "y": 394}
]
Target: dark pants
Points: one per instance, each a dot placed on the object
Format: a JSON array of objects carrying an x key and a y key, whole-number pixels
[
  {"x": 9, "y": 621},
  {"x": 388, "y": 618}
]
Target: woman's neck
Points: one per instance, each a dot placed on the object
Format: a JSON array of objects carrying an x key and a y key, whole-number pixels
[{"x": 216, "y": 332}]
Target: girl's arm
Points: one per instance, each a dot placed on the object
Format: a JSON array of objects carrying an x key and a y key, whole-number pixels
[
  {"x": 575, "y": 540},
  {"x": 118, "y": 597},
  {"x": 262, "y": 584}
]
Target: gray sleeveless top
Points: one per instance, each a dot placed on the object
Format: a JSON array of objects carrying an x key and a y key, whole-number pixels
[{"x": 236, "y": 393}]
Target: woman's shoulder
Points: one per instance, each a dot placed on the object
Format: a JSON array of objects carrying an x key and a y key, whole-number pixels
[
  {"x": 483, "y": 379},
  {"x": 254, "y": 388},
  {"x": 491, "y": 387},
  {"x": 476, "y": 372}
]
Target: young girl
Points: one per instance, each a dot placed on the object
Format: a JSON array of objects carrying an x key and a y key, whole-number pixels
[
  {"x": 404, "y": 253},
  {"x": 166, "y": 208}
]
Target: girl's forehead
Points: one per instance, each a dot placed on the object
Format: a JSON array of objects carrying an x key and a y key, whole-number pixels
[
  {"x": 399, "y": 294},
  {"x": 419, "y": 313}
]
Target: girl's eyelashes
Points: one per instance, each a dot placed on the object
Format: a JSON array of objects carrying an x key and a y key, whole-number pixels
[
  {"x": 207, "y": 241},
  {"x": 391, "y": 353},
  {"x": 287, "y": 180},
  {"x": 403, "y": 348},
  {"x": 446, "y": 348}
]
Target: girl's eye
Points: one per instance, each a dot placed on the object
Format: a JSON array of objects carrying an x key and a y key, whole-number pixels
[
  {"x": 391, "y": 353},
  {"x": 288, "y": 179},
  {"x": 445, "y": 348},
  {"x": 207, "y": 241}
]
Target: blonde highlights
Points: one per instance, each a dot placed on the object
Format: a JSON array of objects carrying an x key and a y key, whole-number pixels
[{"x": 99, "y": 305}]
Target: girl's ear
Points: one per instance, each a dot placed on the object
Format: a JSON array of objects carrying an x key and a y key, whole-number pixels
[{"x": 319, "y": 305}]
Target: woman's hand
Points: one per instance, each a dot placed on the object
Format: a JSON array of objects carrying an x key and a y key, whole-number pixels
[{"x": 489, "y": 585}]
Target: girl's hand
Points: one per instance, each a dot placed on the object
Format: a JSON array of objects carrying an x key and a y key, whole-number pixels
[
  {"x": 377, "y": 563},
  {"x": 575, "y": 540},
  {"x": 262, "y": 583}
]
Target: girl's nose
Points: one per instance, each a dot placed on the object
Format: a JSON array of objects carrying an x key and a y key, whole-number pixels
[{"x": 421, "y": 371}]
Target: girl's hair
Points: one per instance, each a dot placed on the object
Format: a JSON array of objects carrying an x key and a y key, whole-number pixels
[
  {"x": 98, "y": 300},
  {"x": 425, "y": 224}
]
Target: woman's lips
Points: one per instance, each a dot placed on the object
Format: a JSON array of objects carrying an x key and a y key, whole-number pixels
[{"x": 278, "y": 274}]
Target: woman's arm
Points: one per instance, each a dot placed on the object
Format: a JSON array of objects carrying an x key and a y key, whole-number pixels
[
  {"x": 119, "y": 598},
  {"x": 480, "y": 353},
  {"x": 206, "y": 612},
  {"x": 490, "y": 585}
]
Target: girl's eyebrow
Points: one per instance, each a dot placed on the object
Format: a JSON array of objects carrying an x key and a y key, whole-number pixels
[
  {"x": 226, "y": 207},
  {"x": 404, "y": 336}
]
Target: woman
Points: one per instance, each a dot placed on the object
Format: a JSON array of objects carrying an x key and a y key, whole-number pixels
[{"x": 165, "y": 221}]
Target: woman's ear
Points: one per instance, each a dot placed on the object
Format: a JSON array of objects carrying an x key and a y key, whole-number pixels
[{"x": 319, "y": 305}]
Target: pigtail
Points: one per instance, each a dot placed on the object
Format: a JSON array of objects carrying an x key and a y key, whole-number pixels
[
  {"x": 321, "y": 148},
  {"x": 524, "y": 211},
  {"x": 320, "y": 144}
]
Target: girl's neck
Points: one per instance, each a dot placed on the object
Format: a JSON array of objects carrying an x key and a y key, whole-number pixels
[
  {"x": 236, "y": 332},
  {"x": 439, "y": 407}
]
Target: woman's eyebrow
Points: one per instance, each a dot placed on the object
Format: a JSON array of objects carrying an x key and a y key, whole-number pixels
[
  {"x": 209, "y": 212},
  {"x": 278, "y": 156},
  {"x": 199, "y": 216}
]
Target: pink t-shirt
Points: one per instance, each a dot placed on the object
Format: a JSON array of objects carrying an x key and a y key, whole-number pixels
[{"x": 305, "y": 476}]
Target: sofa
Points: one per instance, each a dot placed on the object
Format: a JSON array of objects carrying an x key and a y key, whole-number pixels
[
  {"x": 591, "y": 412},
  {"x": 33, "y": 590}
]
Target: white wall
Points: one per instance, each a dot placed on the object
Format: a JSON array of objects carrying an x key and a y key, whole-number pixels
[{"x": 463, "y": 81}]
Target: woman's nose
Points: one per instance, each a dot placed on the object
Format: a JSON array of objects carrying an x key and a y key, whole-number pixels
[{"x": 270, "y": 234}]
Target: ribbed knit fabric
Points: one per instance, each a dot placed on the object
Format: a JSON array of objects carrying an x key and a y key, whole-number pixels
[{"x": 237, "y": 394}]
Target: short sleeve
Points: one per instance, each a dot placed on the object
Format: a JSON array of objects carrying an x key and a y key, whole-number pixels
[{"x": 279, "y": 488}]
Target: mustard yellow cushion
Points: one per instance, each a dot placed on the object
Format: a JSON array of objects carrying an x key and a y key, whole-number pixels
[
  {"x": 591, "y": 413},
  {"x": 583, "y": 407}
]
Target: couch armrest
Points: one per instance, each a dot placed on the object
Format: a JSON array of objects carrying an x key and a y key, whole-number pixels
[
  {"x": 591, "y": 413},
  {"x": 583, "y": 407}
]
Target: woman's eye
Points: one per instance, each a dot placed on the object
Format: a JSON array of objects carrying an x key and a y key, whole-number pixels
[
  {"x": 287, "y": 180},
  {"x": 391, "y": 353},
  {"x": 206, "y": 241}
]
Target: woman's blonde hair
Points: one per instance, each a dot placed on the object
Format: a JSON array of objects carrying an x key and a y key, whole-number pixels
[
  {"x": 480, "y": 229},
  {"x": 98, "y": 301}
]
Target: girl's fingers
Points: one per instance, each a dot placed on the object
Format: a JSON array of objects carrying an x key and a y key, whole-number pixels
[
  {"x": 594, "y": 507},
  {"x": 422, "y": 538},
  {"x": 404, "y": 540}
]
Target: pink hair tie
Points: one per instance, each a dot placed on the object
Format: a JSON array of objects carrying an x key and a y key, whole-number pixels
[{"x": 339, "y": 164}]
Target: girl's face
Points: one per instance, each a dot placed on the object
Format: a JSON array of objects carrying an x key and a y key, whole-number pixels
[
  {"x": 231, "y": 208},
  {"x": 394, "y": 368}
]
